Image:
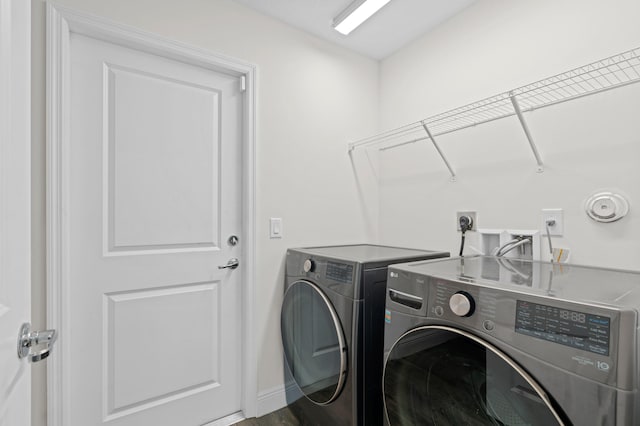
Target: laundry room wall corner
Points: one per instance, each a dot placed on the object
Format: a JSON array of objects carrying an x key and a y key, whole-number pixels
[{"x": 587, "y": 145}]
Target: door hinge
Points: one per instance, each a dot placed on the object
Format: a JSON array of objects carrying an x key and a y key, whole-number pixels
[{"x": 243, "y": 83}]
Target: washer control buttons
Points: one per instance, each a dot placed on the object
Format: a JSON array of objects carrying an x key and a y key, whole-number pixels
[
  {"x": 488, "y": 325},
  {"x": 309, "y": 265},
  {"x": 438, "y": 310},
  {"x": 462, "y": 304}
]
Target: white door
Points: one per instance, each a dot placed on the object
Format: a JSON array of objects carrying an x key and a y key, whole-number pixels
[
  {"x": 15, "y": 284},
  {"x": 153, "y": 163}
]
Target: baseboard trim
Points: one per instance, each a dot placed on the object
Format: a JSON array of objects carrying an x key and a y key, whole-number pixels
[
  {"x": 269, "y": 400},
  {"x": 275, "y": 398},
  {"x": 227, "y": 421}
]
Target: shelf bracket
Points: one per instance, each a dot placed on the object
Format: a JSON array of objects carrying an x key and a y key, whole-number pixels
[
  {"x": 518, "y": 111},
  {"x": 426, "y": 129}
]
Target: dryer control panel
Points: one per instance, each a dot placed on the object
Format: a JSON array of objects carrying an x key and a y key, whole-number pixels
[{"x": 340, "y": 272}]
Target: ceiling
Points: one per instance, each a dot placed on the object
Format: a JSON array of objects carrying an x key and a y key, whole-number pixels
[{"x": 395, "y": 25}]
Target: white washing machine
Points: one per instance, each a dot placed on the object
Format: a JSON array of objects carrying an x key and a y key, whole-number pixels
[{"x": 494, "y": 341}]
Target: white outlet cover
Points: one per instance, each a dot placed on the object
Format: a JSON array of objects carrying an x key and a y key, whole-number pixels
[{"x": 557, "y": 215}]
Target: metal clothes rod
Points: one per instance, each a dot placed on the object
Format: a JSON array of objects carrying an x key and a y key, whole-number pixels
[{"x": 403, "y": 143}]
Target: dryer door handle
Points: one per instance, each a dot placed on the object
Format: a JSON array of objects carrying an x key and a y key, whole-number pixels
[{"x": 405, "y": 299}]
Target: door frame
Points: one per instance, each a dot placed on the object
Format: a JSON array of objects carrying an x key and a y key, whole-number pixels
[
  {"x": 15, "y": 193},
  {"x": 61, "y": 23}
]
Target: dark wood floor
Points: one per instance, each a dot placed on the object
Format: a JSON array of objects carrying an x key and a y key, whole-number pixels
[{"x": 282, "y": 417}]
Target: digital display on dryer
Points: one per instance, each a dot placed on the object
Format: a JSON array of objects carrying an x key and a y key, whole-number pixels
[
  {"x": 340, "y": 272},
  {"x": 570, "y": 328}
]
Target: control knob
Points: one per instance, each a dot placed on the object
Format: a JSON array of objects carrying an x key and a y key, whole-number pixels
[
  {"x": 308, "y": 265},
  {"x": 462, "y": 304}
]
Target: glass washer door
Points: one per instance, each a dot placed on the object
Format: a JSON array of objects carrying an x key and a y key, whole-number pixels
[
  {"x": 437, "y": 375},
  {"x": 313, "y": 342}
]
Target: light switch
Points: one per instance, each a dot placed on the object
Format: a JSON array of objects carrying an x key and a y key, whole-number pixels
[{"x": 275, "y": 227}]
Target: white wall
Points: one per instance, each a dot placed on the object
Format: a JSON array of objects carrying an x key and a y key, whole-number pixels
[
  {"x": 587, "y": 144},
  {"x": 312, "y": 96}
]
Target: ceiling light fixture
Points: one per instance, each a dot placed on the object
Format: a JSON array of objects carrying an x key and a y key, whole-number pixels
[{"x": 356, "y": 13}]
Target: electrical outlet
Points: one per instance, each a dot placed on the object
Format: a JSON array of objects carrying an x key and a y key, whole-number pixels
[
  {"x": 472, "y": 215},
  {"x": 555, "y": 216}
]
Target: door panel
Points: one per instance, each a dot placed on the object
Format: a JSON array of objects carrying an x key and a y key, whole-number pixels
[
  {"x": 129, "y": 374},
  {"x": 163, "y": 145},
  {"x": 15, "y": 214},
  {"x": 154, "y": 191}
]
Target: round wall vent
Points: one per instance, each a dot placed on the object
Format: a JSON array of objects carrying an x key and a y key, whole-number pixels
[{"x": 606, "y": 207}]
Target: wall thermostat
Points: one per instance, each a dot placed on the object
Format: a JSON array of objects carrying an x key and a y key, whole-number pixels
[{"x": 606, "y": 207}]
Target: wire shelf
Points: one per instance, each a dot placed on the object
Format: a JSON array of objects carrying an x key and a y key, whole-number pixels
[{"x": 616, "y": 71}]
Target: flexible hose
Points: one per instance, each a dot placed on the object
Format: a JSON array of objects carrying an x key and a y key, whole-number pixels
[
  {"x": 496, "y": 251},
  {"x": 506, "y": 250}
]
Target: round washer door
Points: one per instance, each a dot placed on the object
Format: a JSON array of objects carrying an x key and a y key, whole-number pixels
[
  {"x": 436, "y": 375},
  {"x": 313, "y": 342}
]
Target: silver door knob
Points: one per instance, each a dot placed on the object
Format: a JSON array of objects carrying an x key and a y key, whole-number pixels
[
  {"x": 231, "y": 264},
  {"x": 28, "y": 339}
]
